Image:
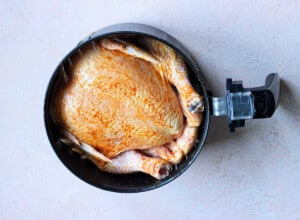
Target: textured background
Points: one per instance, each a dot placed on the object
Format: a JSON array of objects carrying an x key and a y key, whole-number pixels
[{"x": 252, "y": 173}]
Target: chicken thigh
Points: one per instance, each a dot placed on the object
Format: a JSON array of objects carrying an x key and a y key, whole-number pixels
[{"x": 128, "y": 108}]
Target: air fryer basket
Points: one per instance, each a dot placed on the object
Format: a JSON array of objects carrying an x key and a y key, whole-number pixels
[{"x": 239, "y": 104}]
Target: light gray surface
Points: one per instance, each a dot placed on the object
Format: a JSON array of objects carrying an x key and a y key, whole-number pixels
[{"x": 253, "y": 173}]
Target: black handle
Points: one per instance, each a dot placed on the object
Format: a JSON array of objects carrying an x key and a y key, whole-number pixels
[
  {"x": 266, "y": 98},
  {"x": 251, "y": 103}
]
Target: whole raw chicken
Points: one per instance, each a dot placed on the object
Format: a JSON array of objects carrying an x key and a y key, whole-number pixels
[{"x": 129, "y": 108}]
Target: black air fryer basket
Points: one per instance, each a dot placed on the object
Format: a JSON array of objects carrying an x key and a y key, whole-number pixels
[{"x": 239, "y": 104}]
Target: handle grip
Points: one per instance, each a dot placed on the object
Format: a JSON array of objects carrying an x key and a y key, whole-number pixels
[
  {"x": 266, "y": 98},
  {"x": 242, "y": 103}
]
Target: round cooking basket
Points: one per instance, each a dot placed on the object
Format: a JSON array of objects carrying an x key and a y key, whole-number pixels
[
  {"x": 238, "y": 105},
  {"x": 85, "y": 169}
]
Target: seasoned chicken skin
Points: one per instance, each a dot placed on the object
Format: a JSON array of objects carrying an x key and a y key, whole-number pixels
[{"x": 118, "y": 108}]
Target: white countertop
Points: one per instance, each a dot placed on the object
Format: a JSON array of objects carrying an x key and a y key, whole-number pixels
[{"x": 252, "y": 173}]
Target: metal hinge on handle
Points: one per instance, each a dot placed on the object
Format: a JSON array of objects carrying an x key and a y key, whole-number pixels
[{"x": 241, "y": 103}]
